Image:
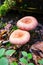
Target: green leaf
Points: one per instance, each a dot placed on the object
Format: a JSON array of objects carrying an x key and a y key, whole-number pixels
[
  {"x": 24, "y": 53},
  {"x": 30, "y": 64},
  {"x": 4, "y": 61},
  {"x": 40, "y": 61},
  {"x": 2, "y": 51},
  {"x": 14, "y": 3},
  {"x": 29, "y": 56},
  {"x": 2, "y": 10},
  {"x": 14, "y": 28},
  {"x": 13, "y": 63},
  {"x": 1, "y": 24},
  {"x": 9, "y": 52},
  {"x": 8, "y": 44},
  {"x": 23, "y": 60}
]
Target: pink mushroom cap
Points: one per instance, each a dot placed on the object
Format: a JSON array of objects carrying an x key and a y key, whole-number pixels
[
  {"x": 27, "y": 23},
  {"x": 19, "y": 37}
]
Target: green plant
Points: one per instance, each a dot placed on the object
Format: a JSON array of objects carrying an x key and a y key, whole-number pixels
[
  {"x": 4, "y": 61},
  {"x": 40, "y": 62},
  {"x": 9, "y": 52},
  {"x": 14, "y": 28},
  {"x": 30, "y": 64},
  {"x": 2, "y": 25},
  {"x": 3, "y": 52},
  {"x": 14, "y": 63},
  {"x": 8, "y": 44},
  {"x": 23, "y": 60},
  {"x": 26, "y": 58},
  {"x": 3, "y": 55},
  {"x": 6, "y": 6}
]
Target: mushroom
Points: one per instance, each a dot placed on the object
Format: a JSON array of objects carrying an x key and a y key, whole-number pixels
[
  {"x": 37, "y": 51},
  {"x": 27, "y": 23},
  {"x": 19, "y": 37}
]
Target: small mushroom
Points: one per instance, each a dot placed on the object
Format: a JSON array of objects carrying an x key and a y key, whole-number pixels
[
  {"x": 27, "y": 23},
  {"x": 19, "y": 37}
]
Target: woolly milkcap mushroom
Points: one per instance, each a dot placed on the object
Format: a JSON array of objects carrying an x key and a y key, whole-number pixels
[
  {"x": 19, "y": 37},
  {"x": 27, "y": 23}
]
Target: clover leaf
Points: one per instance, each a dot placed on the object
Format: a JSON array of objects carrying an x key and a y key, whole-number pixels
[
  {"x": 30, "y": 64},
  {"x": 2, "y": 51},
  {"x": 13, "y": 63},
  {"x": 24, "y": 53},
  {"x": 29, "y": 56},
  {"x": 4, "y": 61},
  {"x": 23, "y": 60},
  {"x": 40, "y": 61},
  {"x": 9, "y": 52}
]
